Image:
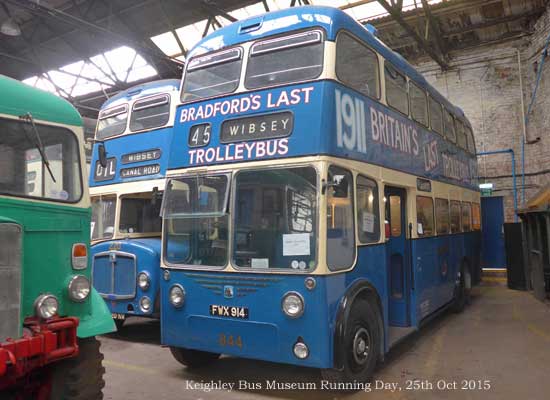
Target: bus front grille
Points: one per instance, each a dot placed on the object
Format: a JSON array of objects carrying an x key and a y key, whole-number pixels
[
  {"x": 10, "y": 281},
  {"x": 243, "y": 285},
  {"x": 114, "y": 275}
]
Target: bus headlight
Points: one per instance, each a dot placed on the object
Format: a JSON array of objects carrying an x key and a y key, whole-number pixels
[
  {"x": 177, "y": 296},
  {"x": 79, "y": 288},
  {"x": 46, "y": 306},
  {"x": 293, "y": 304},
  {"x": 145, "y": 304},
  {"x": 143, "y": 281}
]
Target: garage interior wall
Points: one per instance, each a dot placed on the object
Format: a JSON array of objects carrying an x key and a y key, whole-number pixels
[{"x": 485, "y": 82}]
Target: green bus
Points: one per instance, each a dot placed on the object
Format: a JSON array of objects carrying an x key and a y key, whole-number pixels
[{"x": 49, "y": 312}]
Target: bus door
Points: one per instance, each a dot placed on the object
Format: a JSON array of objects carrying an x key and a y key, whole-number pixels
[{"x": 397, "y": 256}]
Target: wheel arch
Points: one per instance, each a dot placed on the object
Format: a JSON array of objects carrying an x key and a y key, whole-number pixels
[{"x": 360, "y": 289}]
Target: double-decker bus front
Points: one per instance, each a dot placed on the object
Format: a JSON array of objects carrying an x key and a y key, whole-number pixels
[
  {"x": 278, "y": 193},
  {"x": 134, "y": 130}
]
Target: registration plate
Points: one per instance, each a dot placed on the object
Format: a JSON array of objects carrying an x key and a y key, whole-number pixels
[
  {"x": 118, "y": 316},
  {"x": 229, "y": 311}
]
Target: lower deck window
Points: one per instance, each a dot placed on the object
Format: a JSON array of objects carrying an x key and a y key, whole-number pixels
[
  {"x": 275, "y": 219},
  {"x": 340, "y": 219},
  {"x": 425, "y": 216},
  {"x": 140, "y": 213}
]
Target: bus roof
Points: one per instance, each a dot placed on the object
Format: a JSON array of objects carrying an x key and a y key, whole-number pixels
[
  {"x": 143, "y": 89},
  {"x": 332, "y": 20},
  {"x": 19, "y": 98}
]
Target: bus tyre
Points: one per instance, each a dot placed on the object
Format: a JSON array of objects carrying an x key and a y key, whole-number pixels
[
  {"x": 462, "y": 291},
  {"x": 193, "y": 358},
  {"x": 119, "y": 323},
  {"x": 80, "y": 378},
  {"x": 361, "y": 345}
]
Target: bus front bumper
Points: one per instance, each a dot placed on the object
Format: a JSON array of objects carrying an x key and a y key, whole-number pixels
[{"x": 46, "y": 343}]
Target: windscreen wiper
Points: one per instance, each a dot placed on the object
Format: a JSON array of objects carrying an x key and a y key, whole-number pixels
[{"x": 38, "y": 142}]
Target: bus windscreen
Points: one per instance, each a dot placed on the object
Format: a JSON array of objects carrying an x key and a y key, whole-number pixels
[{"x": 212, "y": 75}]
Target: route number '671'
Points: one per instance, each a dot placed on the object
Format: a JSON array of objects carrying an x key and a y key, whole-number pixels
[{"x": 199, "y": 135}]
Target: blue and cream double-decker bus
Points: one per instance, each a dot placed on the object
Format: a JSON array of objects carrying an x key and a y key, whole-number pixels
[
  {"x": 321, "y": 198},
  {"x": 129, "y": 160}
]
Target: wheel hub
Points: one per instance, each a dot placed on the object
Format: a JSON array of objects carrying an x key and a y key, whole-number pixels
[{"x": 361, "y": 346}]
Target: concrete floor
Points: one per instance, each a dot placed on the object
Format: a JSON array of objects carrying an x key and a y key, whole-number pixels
[{"x": 503, "y": 337}]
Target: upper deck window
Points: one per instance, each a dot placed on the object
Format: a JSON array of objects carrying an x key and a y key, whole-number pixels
[
  {"x": 112, "y": 121},
  {"x": 396, "y": 89},
  {"x": 357, "y": 66},
  {"x": 419, "y": 104},
  {"x": 450, "y": 132},
  {"x": 213, "y": 74},
  {"x": 471, "y": 140},
  {"x": 285, "y": 59},
  {"x": 436, "y": 116},
  {"x": 149, "y": 113},
  {"x": 461, "y": 135}
]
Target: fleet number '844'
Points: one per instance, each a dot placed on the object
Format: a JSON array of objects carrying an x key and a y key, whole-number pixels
[{"x": 230, "y": 340}]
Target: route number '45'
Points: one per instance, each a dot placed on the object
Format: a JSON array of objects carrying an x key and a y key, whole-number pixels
[{"x": 199, "y": 135}]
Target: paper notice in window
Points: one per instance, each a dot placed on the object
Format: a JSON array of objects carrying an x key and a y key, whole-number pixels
[
  {"x": 92, "y": 226},
  {"x": 368, "y": 222},
  {"x": 259, "y": 262},
  {"x": 296, "y": 244}
]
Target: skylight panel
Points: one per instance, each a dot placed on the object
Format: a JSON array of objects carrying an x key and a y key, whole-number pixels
[{"x": 167, "y": 43}]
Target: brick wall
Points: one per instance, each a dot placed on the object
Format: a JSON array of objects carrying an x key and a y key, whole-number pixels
[{"x": 485, "y": 82}]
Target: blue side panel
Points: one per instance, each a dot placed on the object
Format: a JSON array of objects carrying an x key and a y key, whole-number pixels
[
  {"x": 329, "y": 119},
  {"x": 436, "y": 262},
  {"x": 369, "y": 131},
  {"x": 492, "y": 213}
]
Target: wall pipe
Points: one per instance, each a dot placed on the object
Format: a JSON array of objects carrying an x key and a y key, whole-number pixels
[{"x": 511, "y": 152}]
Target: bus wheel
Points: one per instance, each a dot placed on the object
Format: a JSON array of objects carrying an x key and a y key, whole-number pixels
[
  {"x": 462, "y": 290},
  {"x": 361, "y": 345},
  {"x": 193, "y": 358},
  {"x": 119, "y": 323},
  {"x": 80, "y": 378}
]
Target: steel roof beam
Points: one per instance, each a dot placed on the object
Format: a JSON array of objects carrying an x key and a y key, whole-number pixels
[{"x": 395, "y": 10}]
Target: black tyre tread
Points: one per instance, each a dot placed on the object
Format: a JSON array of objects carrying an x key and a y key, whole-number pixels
[
  {"x": 193, "y": 358},
  {"x": 462, "y": 297},
  {"x": 364, "y": 308},
  {"x": 119, "y": 324},
  {"x": 80, "y": 378}
]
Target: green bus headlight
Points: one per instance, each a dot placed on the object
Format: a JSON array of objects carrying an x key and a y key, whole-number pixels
[
  {"x": 46, "y": 306},
  {"x": 79, "y": 288}
]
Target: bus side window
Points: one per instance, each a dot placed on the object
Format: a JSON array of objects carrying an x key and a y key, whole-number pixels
[
  {"x": 368, "y": 220},
  {"x": 419, "y": 104},
  {"x": 442, "y": 216},
  {"x": 466, "y": 217},
  {"x": 350, "y": 53},
  {"x": 476, "y": 217},
  {"x": 340, "y": 221},
  {"x": 425, "y": 216},
  {"x": 450, "y": 133},
  {"x": 436, "y": 116},
  {"x": 396, "y": 89},
  {"x": 461, "y": 135},
  {"x": 455, "y": 217},
  {"x": 471, "y": 140}
]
